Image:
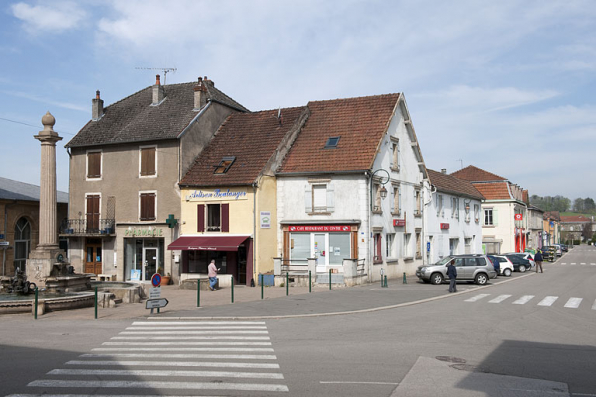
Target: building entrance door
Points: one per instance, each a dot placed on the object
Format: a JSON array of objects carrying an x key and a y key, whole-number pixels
[
  {"x": 319, "y": 247},
  {"x": 150, "y": 260},
  {"x": 93, "y": 256}
]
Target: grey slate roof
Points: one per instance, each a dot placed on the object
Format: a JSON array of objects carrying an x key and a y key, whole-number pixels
[
  {"x": 15, "y": 190},
  {"x": 133, "y": 119}
]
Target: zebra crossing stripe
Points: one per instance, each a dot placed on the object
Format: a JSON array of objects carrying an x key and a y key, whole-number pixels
[
  {"x": 189, "y": 332},
  {"x": 174, "y": 355},
  {"x": 174, "y": 364},
  {"x": 165, "y": 373},
  {"x": 198, "y": 323},
  {"x": 186, "y": 343},
  {"x": 499, "y": 299},
  {"x": 194, "y": 327},
  {"x": 523, "y": 300},
  {"x": 188, "y": 349},
  {"x": 124, "y": 384},
  {"x": 191, "y": 338},
  {"x": 548, "y": 301},
  {"x": 573, "y": 303},
  {"x": 477, "y": 297}
]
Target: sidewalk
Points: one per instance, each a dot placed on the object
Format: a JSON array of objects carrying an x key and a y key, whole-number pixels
[{"x": 248, "y": 303}]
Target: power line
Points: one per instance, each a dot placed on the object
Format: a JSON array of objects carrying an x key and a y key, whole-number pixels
[{"x": 36, "y": 126}]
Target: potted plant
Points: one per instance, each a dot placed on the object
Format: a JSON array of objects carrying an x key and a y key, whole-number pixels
[{"x": 165, "y": 280}]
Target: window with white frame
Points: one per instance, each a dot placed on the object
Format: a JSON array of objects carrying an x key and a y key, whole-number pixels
[
  {"x": 488, "y": 217},
  {"x": 417, "y": 200},
  {"x": 476, "y": 213},
  {"x": 378, "y": 258},
  {"x": 318, "y": 198},
  {"x": 396, "y": 202},
  {"x": 407, "y": 243},
  {"x": 439, "y": 204},
  {"x": 147, "y": 204},
  {"x": 468, "y": 245},
  {"x": 377, "y": 198},
  {"x": 147, "y": 161},
  {"x": 394, "y": 154},
  {"x": 455, "y": 207},
  {"x": 418, "y": 245},
  {"x": 94, "y": 165},
  {"x": 389, "y": 245}
]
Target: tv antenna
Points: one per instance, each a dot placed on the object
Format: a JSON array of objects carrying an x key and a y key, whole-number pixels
[
  {"x": 164, "y": 70},
  {"x": 461, "y": 164}
]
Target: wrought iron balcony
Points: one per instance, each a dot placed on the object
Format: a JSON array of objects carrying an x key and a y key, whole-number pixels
[{"x": 83, "y": 227}]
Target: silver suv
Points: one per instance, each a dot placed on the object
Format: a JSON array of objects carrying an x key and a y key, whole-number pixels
[{"x": 477, "y": 268}]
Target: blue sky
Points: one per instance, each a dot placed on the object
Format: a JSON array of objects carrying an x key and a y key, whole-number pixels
[{"x": 507, "y": 86}]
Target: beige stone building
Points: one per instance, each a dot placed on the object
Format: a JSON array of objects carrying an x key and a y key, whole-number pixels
[{"x": 125, "y": 165}]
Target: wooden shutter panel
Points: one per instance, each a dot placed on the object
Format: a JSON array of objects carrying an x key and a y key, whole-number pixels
[
  {"x": 330, "y": 201},
  {"x": 225, "y": 217},
  {"x": 147, "y": 206},
  {"x": 308, "y": 199},
  {"x": 94, "y": 165},
  {"x": 148, "y": 161},
  {"x": 201, "y": 218}
]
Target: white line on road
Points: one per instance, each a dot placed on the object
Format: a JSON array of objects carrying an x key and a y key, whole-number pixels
[
  {"x": 582, "y": 263},
  {"x": 189, "y": 349},
  {"x": 209, "y": 356},
  {"x": 573, "y": 263},
  {"x": 198, "y": 323},
  {"x": 358, "y": 383},
  {"x": 194, "y": 327},
  {"x": 499, "y": 299},
  {"x": 159, "y": 385},
  {"x": 573, "y": 303},
  {"x": 211, "y": 343},
  {"x": 175, "y": 364},
  {"x": 190, "y": 332},
  {"x": 191, "y": 338},
  {"x": 548, "y": 301},
  {"x": 523, "y": 300},
  {"x": 162, "y": 373},
  {"x": 477, "y": 297}
]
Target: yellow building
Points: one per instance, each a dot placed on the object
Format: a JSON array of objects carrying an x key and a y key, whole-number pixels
[{"x": 228, "y": 197}]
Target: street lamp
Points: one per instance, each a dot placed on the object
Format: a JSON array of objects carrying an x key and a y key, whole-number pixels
[{"x": 382, "y": 190}]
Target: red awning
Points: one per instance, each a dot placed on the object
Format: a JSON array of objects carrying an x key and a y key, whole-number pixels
[{"x": 208, "y": 243}]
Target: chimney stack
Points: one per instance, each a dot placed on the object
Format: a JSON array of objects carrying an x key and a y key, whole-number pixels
[
  {"x": 159, "y": 93},
  {"x": 96, "y": 107},
  {"x": 200, "y": 93},
  {"x": 444, "y": 171}
]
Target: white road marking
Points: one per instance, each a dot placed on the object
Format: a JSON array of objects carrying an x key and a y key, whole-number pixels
[
  {"x": 574, "y": 263},
  {"x": 198, "y": 323},
  {"x": 161, "y": 355},
  {"x": 211, "y": 343},
  {"x": 582, "y": 263},
  {"x": 196, "y": 327},
  {"x": 563, "y": 263},
  {"x": 165, "y": 373},
  {"x": 189, "y": 332},
  {"x": 187, "y": 349},
  {"x": 523, "y": 300},
  {"x": 175, "y": 364},
  {"x": 548, "y": 301},
  {"x": 357, "y": 383},
  {"x": 477, "y": 297},
  {"x": 573, "y": 303},
  {"x": 499, "y": 299},
  {"x": 191, "y": 338},
  {"x": 159, "y": 385}
]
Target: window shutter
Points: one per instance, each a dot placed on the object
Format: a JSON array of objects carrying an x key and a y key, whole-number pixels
[
  {"x": 330, "y": 201},
  {"x": 225, "y": 217},
  {"x": 151, "y": 206},
  {"x": 147, "y": 161},
  {"x": 495, "y": 217},
  {"x": 143, "y": 207},
  {"x": 379, "y": 249},
  {"x": 399, "y": 200},
  {"x": 392, "y": 200},
  {"x": 94, "y": 165},
  {"x": 201, "y": 218},
  {"x": 308, "y": 199}
]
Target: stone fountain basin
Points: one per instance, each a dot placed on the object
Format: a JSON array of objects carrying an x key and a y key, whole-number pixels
[
  {"x": 12, "y": 303},
  {"x": 123, "y": 292}
]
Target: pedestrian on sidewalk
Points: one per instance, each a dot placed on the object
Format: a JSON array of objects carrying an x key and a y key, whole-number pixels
[
  {"x": 212, "y": 273},
  {"x": 452, "y": 274},
  {"x": 538, "y": 260}
]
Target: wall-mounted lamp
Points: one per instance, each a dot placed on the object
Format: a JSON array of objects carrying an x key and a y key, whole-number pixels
[{"x": 382, "y": 190}]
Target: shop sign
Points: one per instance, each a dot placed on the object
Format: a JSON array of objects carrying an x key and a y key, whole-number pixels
[
  {"x": 519, "y": 217},
  {"x": 265, "y": 219},
  {"x": 216, "y": 194},
  {"x": 444, "y": 226},
  {"x": 138, "y": 232},
  {"x": 320, "y": 228},
  {"x": 399, "y": 222}
]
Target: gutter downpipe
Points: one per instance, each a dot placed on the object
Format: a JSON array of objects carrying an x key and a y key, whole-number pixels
[
  {"x": 369, "y": 231},
  {"x": 5, "y": 234},
  {"x": 254, "y": 231}
]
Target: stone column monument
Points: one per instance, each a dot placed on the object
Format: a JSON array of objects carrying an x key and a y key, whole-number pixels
[{"x": 42, "y": 259}]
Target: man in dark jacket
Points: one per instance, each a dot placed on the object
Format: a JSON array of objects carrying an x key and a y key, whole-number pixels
[
  {"x": 538, "y": 260},
  {"x": 452, "y": 274}
]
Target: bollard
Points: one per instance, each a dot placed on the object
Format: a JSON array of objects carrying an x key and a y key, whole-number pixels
[
  {"x": 405, "y": 280},
  {"x": 96, "y": 303},
  {"x": 309, "y": 282},
  {"x": 329, "y": 279},
  {"x": 386, "y": 286},
  {"x": 232, "y": 289},
  {"x": 287, "y": 283},
  {"x": 36, "y": 299},
  {"x": 262, "y": 286},
  {"x": 198, "y": 292}
]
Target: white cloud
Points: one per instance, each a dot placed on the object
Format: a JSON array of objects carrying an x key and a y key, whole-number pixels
[
  {"x": 54, "y": 17},
  {"x": 36, "y": 98}
]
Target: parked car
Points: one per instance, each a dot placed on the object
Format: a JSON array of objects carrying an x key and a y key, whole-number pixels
[
  {"x": 559, "y": 249},
  {"x": 519, "y": 264},
  {"x": 477, "y": 268},
  {"x": 564, "y": 248},
  {"x": 504, "y": 264},
  {"x": 526, "y": 255}
]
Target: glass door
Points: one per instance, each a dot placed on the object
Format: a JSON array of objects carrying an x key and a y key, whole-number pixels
[
  {"x": 319, "y": 251},
  {"x": 150, "y": 256}
]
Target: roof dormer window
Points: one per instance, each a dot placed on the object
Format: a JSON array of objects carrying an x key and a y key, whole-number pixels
[
  {"x": 332, "y": 142},
  {"x": 224, "y": 165}
]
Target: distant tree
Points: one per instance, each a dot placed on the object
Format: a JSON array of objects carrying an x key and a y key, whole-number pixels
[
  {"x": 578, "y": 205},
  {"x": 561, "y": 203},
  {"x": 549, "y": 203},
  {"x": 587, "y": 231},
  {"x": 589, "y": 204}
]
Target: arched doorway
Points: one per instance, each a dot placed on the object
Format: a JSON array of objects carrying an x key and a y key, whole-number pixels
[{"x": 22, "y": 243}]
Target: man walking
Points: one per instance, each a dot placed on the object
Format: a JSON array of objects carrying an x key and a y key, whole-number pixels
[
  {"x": 538, "y": 260},
  {"x": 212, "y": 273},
  {"x": 452, "y": 274}
]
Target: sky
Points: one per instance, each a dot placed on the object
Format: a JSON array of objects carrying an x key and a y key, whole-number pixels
[{"x": 506, "y": 86}]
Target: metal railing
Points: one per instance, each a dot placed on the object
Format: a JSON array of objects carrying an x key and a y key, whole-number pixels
[
  {"x": 294, "y": 266},
  {"x": 82, "y": 227}
]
